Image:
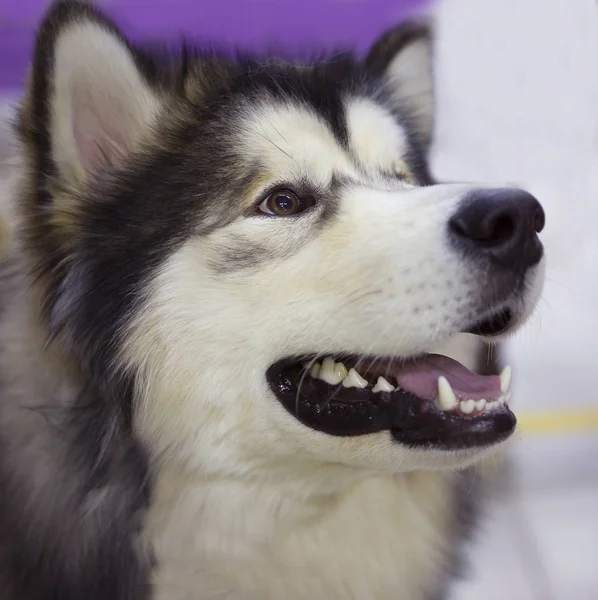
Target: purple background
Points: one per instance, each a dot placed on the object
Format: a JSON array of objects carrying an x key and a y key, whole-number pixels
[{"x": 255, "y": 24}]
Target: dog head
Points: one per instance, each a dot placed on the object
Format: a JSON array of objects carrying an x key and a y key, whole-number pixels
[{"x": 254, "y": 256}]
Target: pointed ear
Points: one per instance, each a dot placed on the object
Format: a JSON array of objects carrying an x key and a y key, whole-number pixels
[
  {"x": 89, "y": 102},
  {"x": 403, "y": 57}
]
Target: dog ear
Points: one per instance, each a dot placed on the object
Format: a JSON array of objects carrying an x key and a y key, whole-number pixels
[
  {"x": 403, "y": 58},
  {"x": 89, "y": 101}
]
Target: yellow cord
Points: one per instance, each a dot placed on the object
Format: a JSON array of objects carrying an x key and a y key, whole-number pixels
[{"x": 563, "y": 422}]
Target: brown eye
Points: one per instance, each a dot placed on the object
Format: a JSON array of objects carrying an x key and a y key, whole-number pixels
[{"x": 283, "y": 203}]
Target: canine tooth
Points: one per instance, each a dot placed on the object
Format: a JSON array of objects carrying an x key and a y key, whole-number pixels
[
  {"x": 383, "y": 386},
  {"x": 446, "y": 397},
  {"x": 329, "y": 373},
  {"x": 480, "y": 404},
  {"x": 505, "y": 379},
  {"x": 467, "y": 406},
  {"x": 315, "y": 370},
  {"x": 354, "y": 379}
]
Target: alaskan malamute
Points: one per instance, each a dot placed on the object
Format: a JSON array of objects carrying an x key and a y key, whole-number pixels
[{"x": 217, "y": 317}]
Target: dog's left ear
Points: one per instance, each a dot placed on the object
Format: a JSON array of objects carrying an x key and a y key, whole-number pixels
[
  {"x": 89, "y": 100},
  {"x": 403, "y": 58}
]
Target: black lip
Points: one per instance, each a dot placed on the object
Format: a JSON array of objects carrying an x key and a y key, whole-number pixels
[{"x": 353, "y": 412}]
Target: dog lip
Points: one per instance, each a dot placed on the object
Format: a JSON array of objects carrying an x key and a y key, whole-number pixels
[
  {"x": 412, "y": 421},
  {"x": 449, "y": 433}
]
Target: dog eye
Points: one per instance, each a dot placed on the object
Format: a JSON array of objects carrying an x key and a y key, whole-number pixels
[{"x": 285, "y": 203}]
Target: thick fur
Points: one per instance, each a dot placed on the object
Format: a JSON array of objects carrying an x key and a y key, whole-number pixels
[{"x": 142, "y": 454}]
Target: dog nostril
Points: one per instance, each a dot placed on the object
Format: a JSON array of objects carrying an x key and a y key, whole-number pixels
[
  {"x": 503, "y": 228},
  {"x": 493, "y": 229}
]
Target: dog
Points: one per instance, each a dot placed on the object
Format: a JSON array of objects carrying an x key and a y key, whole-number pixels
[{"x": 218, "y": 313}]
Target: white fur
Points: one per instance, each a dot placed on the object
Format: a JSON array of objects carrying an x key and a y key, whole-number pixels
[
  {"x": 379, "y": 538},
  {"x": 376, "y": 139},
  {"x": 291, "y": 141}
]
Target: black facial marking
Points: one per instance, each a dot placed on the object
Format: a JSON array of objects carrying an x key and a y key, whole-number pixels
[{"x": 239, "y": 255}]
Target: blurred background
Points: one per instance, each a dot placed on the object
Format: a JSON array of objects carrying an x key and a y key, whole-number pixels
[{"x": 517, "y": 102}]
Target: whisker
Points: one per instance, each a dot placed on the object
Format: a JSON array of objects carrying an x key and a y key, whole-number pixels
[{"x": 263, "y": 135}]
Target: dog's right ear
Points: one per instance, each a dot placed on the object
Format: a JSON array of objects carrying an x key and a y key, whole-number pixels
[
  {"x": 88, "y": 102},
  {"x": 403, "y": 58}
]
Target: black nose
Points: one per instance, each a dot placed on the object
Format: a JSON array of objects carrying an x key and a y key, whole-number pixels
[{"x": 502, "y": 224}]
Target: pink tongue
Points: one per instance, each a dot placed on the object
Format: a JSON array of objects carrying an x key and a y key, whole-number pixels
[{"x": 421, "y": 379}]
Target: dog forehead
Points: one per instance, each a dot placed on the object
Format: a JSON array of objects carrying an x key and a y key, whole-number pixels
[{"x": 293, "y": 139}]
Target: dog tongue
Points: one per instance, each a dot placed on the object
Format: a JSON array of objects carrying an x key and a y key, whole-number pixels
[{"x": 421, "y": 379}]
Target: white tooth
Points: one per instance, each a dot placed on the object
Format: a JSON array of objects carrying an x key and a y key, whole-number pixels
[
  {"x": 354, "y": 379},
  {"x": 467, "y": 406},
  {"x": 329, "y": 373},
  {"x": 446, "y": 397},
  {"x": 506, "y": 398},
  {"x": 505, "y": 379},
  {"x": 315, "y": 370},
  {"x": 480, "y": 405},
  {"x": 328, "y": 364},
  {"x": 340, "y": 370},
  {"x": 383, "y": 386}
]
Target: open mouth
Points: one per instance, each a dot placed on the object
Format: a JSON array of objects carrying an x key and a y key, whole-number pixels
[{"x": 428, "y": 400}]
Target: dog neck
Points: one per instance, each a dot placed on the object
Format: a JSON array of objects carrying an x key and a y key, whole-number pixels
[{"x": 250, "y": 535}]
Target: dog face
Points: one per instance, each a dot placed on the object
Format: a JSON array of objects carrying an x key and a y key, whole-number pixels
[{"x": 255, "y": 252}]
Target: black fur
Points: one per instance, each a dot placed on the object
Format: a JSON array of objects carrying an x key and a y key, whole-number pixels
[{"x": 87, "y": 543}]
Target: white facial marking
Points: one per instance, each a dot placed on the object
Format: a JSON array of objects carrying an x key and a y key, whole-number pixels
[
  {"x": 375, "y": 136},
  {"x": 292, "y": 142}
]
